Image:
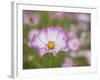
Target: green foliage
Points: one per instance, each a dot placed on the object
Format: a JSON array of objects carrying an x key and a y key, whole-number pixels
[{"x": 43, "y": 20}]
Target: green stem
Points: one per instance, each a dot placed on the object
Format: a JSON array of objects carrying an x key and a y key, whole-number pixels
[{"x": 50, "y": 60}]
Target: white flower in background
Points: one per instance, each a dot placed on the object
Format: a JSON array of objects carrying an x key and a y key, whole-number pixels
[
  {"x": 68, "y": 62},
  {"x": 51, "y": 39}
]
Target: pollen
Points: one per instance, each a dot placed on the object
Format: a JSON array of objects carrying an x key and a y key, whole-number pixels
[{"x": 51, "y": 44}]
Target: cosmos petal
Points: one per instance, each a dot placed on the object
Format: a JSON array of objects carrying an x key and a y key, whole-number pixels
[
  {"x": 52, "y": 34},
  {"x": 43, "y": 36},
  {"x": 65, "y": 49},
  {"x": 42, "y": 51},
  {"x": 56, "y": 49},
  {"x": 61, "y": 40},
  {"x": 37, "y": 43}
]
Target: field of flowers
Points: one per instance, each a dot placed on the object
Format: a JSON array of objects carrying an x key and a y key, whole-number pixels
[{"x": 56, "y": 39}]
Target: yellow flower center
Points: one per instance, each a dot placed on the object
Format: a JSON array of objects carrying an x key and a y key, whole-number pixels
[{"x": 51, "y": 44}]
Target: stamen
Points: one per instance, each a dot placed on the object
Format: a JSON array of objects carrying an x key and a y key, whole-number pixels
[{"x": 51, "y": 44}]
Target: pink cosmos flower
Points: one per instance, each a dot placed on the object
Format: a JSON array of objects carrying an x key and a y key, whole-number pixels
[
  {"x": 51, "y": 39},
  {"x": 68, "y": 63},
  {"x": 83, "y": 17},
  {"x": 74, "y": 44},
  {"x": 73, "y": 41},
  {"x": 31, "y": 19}
]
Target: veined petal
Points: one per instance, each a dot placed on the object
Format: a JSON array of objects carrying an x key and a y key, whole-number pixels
[
  {"x": 65, "y": 49},
  {"x": 57, "y": 48},
  {"x": 52, "y": 33},
  {"x": 61, "y": 45},
  {"x": 43, "y": 36},
  {"x": 62, "y": 35},
  {"x": 38, "y": 43},
  {"x": 61, "y": 39},
  {"x": 42, "y": 51}
]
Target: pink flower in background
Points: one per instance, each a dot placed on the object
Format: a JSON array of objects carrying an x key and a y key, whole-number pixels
[
  {"x": 32, "y": 36},
  {"x": 74, "y": 44},
  {"x": 68, "y": 63},
  {"x": 83, "y": 17},
  {"x": 71, "y": 35},
  {"x": 58, "y": 15},
  {"x": 51, "y": 39},
  {"x": 73, "y": 41},
  {"x": 31, "y": 19}
]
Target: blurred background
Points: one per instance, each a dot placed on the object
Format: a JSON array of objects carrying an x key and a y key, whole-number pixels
[{"x": 79, "y": 23}]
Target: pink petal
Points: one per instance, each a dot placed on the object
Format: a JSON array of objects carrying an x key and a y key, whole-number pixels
[
  {"x": 52, "y": 33},
  {"x": 68, "y": 63},
  {"x": 42, "y": 51},
  {"x": 43, "y": 36},
  {"x": 65, "y": 49},
  {"x": 61, "y": 39},
  {"x": 74, "y": 44},
  {"x": 38, "y": 43},
  {"x": 33, "y": 34}
]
